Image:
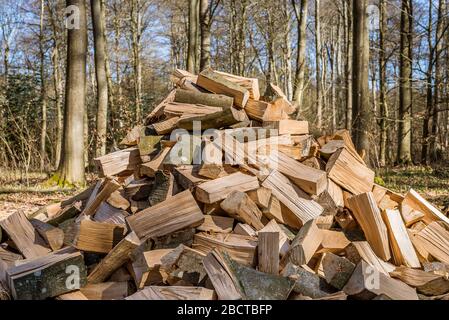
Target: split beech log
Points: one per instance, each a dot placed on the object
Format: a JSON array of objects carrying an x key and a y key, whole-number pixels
[
  {"x": 400, "y": 243},
  {"x": 216, "y": 224},
  {"x": 52, "y": 235},
  {"x": 217, "y": 83},
  {"x": 256, "y": 109},
  {"x": 245, "y": 230},
  {"x": 207, "y": 99},
  {"x": 425, "y": 282},
  {"x": 240, "y": 248},
  {"x": 417, "y": 202},
  {"x": 215, "y": 120},
  {"x": 359, "y": 286},
  {"x": 188, "y": 177},
  {"x": 268, "y": 251},
  {"x": 346, "y": 171},
  {"x": 25, "y": 237},
  {"x": 149, "y": 168},
  {"x": 239, "y": 206},
  {"x": 361, "y": 250},
  {"x": 106, "y": 291},
  {"x": 162, "y": 188},
  {"x": 166, "y": 126},
  {"x": 261, "y": 197},
  {"x": 333, "y": 241},
  {"x": 435, "y": 240},
  {"x": 180, "y": 211},
  {"x": 219, "y": 189},
  {"x": 336, "y": 270},
  {"x": 118, "y": 200},
  {"x": 365, "y": 210},
  {"x": 118, "y": 162},
  {"x": 98, "y": 237},
  {"x": 46, "y": 276},
  {"x": 148, "y": 144},
  {"x": 109, "y": 186},
  {"x": 173, "y": 293},
  {"x": 284, "y": 243},
  {"x": 251, "y": 84},
  {"x": 297, "y": 201},
  {"x": 288, "y": 126},
  {"x": 305, "y": 244},
  {"x": 132, "y": 137},
  {"x": 115, "y": 259}
]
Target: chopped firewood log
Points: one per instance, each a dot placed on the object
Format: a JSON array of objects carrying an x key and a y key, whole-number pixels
[
  {"x": 185, "y": 110},
  {"x": 251, "y": 84},
  {"x": 148, "y": 144},
  {"x": 245, "y": 230},
  {"x": 188, "y": 177},
  {"x": 9, "y": 257},
  {"x": 217, "y": 83},
  {"x": 240, "y": 248},
  {"x": 179, "y": 212},
  {"x": 333, "y": 241},
  {"x": 98, "y": 237},
  {"x": 297, "y": 201},
  {"x": 216, "y": 224},
  {"x": 172, "y": 293},
  {"x": 288, "y": 126},
  {"x": 417, "y": 202},
  {"x": 345, "y": 220},
  {"x": 335, "y": 193},
  {"x": 147, "y": 269},
  {"x": 117, "y": 200},
  {"x": 435, "y": 240},
  {"x": 25, "y": 237},
  {"x": 305, "y": 244},
  {"x": 118, "y": 162},
  {"x": 276, "y": 111},
  {"x": 387, "y": 204},
  {"x": 115, "y": 259},
  {"x": 307, "y": 283},
  {"x": 284, "y": 242},
  {"x": 110, "y": 214},
  {"x": 240, "y": 206},
  {"x": 256, "y": 285},
  {"x": 425, "y": 282},
  {"x": 149, "y": 168},
  {"x": 214, "y": 209},
  {"x": 220, "y": 277},
  {"x": 106, "y": 291},
  {"x": 219, "y": 189},
  {"x": 313, "y": 162},
  {"x": 52, "y": 235},
  {"x": 72, "y": 296},
  {"x": 366, "y": 283},
  {"x": 267, "y": 248},
  {"x": 45, "y": 213},
  {"x": 346, "y": 171},
  {"x": 401, "y": 246},
  {"x": 207, "y": 99},
  {"x": 310, "y": 180},
  {"x": 282, "y": 100},
  {"x": 365, "y": 210},
  {"x": 410, "y": 215},
  {"x": 361, "y": 250},
  {"x": 109, "y": 186},
  {"x": 325, "y": 222},
  {"x": 336, "y": 270},
  {"x": 261, "y": 197},
  {"x": 132, "y": 137},
  {"x": 256, "y": 109},
  {"x": 166, "y": 126},
  {"x": 162, "y": 188},
  {"x": 330, "y": 148},
  {"x": 48, "y": 276},
  {"x": 174, "y": 239}
]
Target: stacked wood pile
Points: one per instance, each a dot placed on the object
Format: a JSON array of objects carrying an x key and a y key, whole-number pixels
[{"x": 309, "y": 223}]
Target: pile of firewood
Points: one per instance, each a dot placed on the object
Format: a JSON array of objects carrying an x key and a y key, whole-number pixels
[{"x": 256, "y": 209}]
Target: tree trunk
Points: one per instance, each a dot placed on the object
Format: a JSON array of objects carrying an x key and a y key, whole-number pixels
[
  {"x": 319, "y": 76},
  {"x": 43, "y": 137},
  {"x": 192, "y": 36},
  {"x": 206, "y": 19},
  {"x": 383, "y": 86},
  {"x": 348, "y": 63},
  {"x": 100, "y": 73},
  {"x": 405, "y": 90},
  {"x": 361, "y": 109},
  {"x": 72, "y": 165},
  {"x": 136, "y": 34},
  {"x": 301, "y": 17}
]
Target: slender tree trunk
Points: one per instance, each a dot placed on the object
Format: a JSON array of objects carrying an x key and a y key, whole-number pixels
[
  {"x": 72, "y": 165},
  {"x": 193, "y": 36},
  {"x": 206, "y": 19},
  {"x": 348, "y": 63},
  {"x": 361, "y": 109},
  {"x": 429, "y": 89},
  {"x": 100, "y": 73},
  {"x": 383, "y": 86},
  {"x": 434, "y": 141},
  {"x": 405, "y": 90},
  {"x": 301, "y": 17},
  {"x": 136, "y": 33},
  {"x": 319, "y": 76},
  {"x": 43, "y": 137}
]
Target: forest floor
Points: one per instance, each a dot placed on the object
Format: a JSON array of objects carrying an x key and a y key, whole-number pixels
[{"x": 16, "y": 194}]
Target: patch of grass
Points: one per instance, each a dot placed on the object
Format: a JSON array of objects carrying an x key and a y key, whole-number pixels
[{"x": 433, "y": 184}]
